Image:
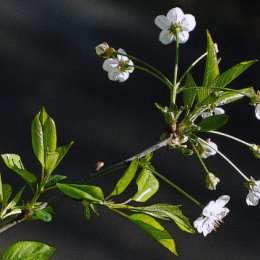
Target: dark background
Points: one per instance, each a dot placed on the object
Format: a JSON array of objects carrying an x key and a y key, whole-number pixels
[{"x": 47, "y": 57}]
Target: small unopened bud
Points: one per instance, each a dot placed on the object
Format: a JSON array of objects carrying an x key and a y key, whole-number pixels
[
  {"x": 98, "y": 166},
  {"x": 256, "y": 150},
  {"x": 104, "y": 51},
  {"x": 211, "y": 181},
  {"x": 216, "y": 48}
]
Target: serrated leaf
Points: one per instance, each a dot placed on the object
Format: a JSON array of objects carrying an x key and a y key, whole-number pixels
[
  {"x": 213, "y": 122},
  {"x": 228, "y": 76},
  {"x": 54, "y": 179},
  {"x": 13, "y": 162},
  {"x": 167, "y": 212},
  {"x": 189, "y": 92},
  {"x": 147, "y": 185},
  {"x": 43, "y": 215},
  {"x": 76, "y": 191},
  {"x": 155, "y": 230},
  {"x": 28, "y": 250},
  {"x": 232, "y": 96},
  {"x": 211, "y": 68},
  {"x": 126, "y": 179}
]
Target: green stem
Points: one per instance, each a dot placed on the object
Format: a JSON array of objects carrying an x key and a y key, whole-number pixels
[
  {"x": 153, "y": 74},
  {"x": 226, "y": 159},
  {"x": 231, "y": 137},
  {"x": 159, "y": 74},
  {"x": 177, "y": 188},
  {"x": 200, "y": 159},
  {"x": 175, "y": 75},
  {"x": 191, "y": 66}
]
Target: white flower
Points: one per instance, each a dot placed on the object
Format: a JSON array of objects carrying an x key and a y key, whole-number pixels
[
  {"x": 253, "y": 196},
  {"x": 215, "y": 111},
  {"x": 257, "y": 111},
  {"x": 212, "y": 215},
  {"x": 119, "y": 67},
  {"x": 175, "y": 25},
  {"x": 207, "y": 150}
]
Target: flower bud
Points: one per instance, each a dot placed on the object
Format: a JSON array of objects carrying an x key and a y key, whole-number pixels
[
  {"x": 104, "y": 51},
  {"x": 211, "y": 181},
  {"x": 256, "y": 150}
]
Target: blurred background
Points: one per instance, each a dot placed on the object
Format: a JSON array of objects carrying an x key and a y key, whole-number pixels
[{"x": 47, "y": 58}]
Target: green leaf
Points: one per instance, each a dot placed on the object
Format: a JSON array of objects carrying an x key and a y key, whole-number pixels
[
  {"x": 232, "y": 96},
  {"x": 76, "y": 191},
  {"x": 167, "y": 212},
  {"x": 211, "y": 69},
  {"x": 15, "y": 200},
  {"x": 62, "y": 151},
  {"x": 189, "y": 94},
  {"x": 155, "y": 230},
  {"x": 44, "y": 137},
  {"x": 126, "y": 179},
  {"x": 43, "y": 215},
  {"x": 28, "y": 250},
  {"x": 228, "y": 76},
  {"x": 212, "y": 123},
  {"x": 147, "y": 184},
  {"x": 7, "y": 192},
  {"x": 202, "y": 94},
  {"x": 13, "y": 162},
  {"x": 54, "y": 179},
  {"x": 1, "y": 189}
]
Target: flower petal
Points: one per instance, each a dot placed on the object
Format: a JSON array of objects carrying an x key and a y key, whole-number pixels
[
  {"x": 122, "y": 58},
  {"x": 166, "y": 37},
  {"x": 257, "y": 111},
  {"x": 113, "y": 74},
  {"x": 162, "y": 22},
  {"x": 123, "y": 76},
  {"x": 252, "y": 199},
  {"x": 110, "y": 64},
  {"x": 131, "y": 68},
  {"x": 188, "y": 23},
  {"x": 218, "y": 111},
  {"x": 222, "y": 200},
  {"x": 175, "y": 15},
  {"x": 183, "y": 36}
]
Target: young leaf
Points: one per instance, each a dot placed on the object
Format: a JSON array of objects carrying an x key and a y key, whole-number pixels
[
  {"x": 7, "y": 192},
  {"x": 15, "y": 200},
  {"x": 62, "y": 150},
  {"x": 13, "y": 162},
  {"x": 28, "y": 250},
  {"x": 76, "y": 191},
  {"x": 147, "y": 184},
  {"x": 211, "y": 69},
  {"x": 54, "y": 179},
  {"x": 167, "y": 212},
  {"x": 226, "y": 77},
  {"x": 212, "y": 123},
  {"x": 43, "y": 215},
  {"x": 126, "y": 179},
  {"x": 189, "y": 94},
  {"x": 232, "y": 96},
  {"x": 155, "y": 230},
  {"x": 44, "y": 137},
  {"x": 1, "y": 189}
]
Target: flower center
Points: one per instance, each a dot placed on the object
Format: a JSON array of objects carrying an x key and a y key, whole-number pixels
[
  {"x": 175, "y": 28},
  {"x": 123, "y": 66}
]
